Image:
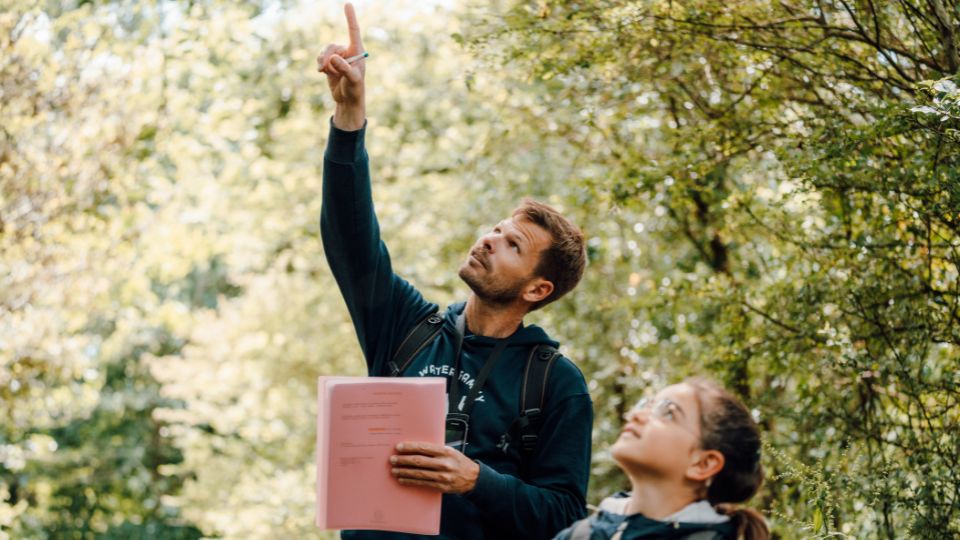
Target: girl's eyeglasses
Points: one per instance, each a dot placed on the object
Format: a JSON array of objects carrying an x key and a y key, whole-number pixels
[{"x": 663, "y": 409}]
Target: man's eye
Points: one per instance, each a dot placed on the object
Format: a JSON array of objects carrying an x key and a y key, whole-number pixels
[{"x": 515, "y": 246}]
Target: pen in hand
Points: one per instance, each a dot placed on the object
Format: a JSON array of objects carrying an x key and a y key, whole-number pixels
[{"x": 353, "y": 59}]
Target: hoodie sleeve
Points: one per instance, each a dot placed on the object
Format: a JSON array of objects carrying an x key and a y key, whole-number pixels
[
  {"x": 552, "y": 493},
  {"x": 382, "y": 305}
]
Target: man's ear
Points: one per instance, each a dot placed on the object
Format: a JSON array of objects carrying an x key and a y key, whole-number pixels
[
  {"x": 705, "y": 464},
  {"x": 537, "y": 290}
]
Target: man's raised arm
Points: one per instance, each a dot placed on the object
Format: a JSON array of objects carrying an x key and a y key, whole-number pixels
[{"x": 382, "y": 305}]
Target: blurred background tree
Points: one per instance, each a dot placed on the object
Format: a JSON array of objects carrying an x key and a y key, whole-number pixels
[{"x": 770, "y": 191}]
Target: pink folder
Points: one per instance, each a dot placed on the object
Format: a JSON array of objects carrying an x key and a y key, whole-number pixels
[{"x": 360, "y": 420}]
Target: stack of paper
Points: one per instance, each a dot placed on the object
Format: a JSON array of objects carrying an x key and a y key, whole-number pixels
[{"x": 360, "y": 420}]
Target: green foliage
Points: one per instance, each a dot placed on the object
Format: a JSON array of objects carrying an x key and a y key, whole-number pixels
[{"x": 784, "y": 181}]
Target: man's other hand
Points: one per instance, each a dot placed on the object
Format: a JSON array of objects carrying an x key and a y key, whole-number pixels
[{"x": 434, "y": 466}]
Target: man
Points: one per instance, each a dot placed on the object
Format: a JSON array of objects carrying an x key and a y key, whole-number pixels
[{"x": 493, "y": 488}]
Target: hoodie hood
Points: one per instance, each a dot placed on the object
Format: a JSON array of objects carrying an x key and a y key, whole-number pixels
[
  {"x": 695, "y": 512},
  {"x": 524, "y": 336}
]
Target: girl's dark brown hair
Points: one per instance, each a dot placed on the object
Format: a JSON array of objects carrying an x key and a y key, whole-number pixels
[{"x": 727, "y": 426}]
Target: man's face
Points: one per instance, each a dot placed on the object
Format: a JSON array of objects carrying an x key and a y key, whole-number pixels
[{"x": 501, "y": 263}]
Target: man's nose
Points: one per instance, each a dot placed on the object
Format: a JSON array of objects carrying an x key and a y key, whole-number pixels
[{"x": 488, "y": 243}]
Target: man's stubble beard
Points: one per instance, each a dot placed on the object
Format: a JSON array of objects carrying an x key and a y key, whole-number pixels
[{"x": 490, "y": 292}]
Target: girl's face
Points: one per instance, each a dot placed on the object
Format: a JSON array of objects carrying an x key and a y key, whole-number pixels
[{"x": 662, "y": 436}]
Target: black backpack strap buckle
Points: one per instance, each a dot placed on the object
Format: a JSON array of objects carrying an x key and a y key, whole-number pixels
[
  {"x": 527, "y": 423},
  {"x": 528, "y": 442},
  {"x": 530, "y": 415}
]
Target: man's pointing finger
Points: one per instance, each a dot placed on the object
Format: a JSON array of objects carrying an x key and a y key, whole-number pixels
[{"x": 356, "y": 44}]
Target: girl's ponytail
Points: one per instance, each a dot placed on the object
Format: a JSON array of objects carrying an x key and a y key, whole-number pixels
[{"x": 749, "y": 524}]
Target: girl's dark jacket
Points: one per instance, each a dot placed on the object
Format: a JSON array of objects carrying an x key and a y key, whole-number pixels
[{"x": 698, "y": 521}]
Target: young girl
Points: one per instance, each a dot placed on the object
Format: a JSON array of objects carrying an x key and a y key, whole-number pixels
[{"x": 689, "y": 453}]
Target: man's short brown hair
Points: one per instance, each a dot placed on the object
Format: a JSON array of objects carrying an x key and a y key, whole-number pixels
[{"x": 562, "y": 263}]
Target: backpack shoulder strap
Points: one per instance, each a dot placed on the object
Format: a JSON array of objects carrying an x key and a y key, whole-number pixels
[
  {"x": 581, "y": 529},
  {"x": 418, "y": 338},
  {"x": 533, "y": 394}
]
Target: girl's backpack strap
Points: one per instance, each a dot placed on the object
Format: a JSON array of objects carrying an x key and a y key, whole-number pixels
[{"x": 581, "y": 530}]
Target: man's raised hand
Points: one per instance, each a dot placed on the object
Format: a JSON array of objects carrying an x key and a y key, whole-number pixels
[{"x": 346, "y": 79}]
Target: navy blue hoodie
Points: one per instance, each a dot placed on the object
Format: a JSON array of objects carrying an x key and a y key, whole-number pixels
[{"x": 509, "y": 501}]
